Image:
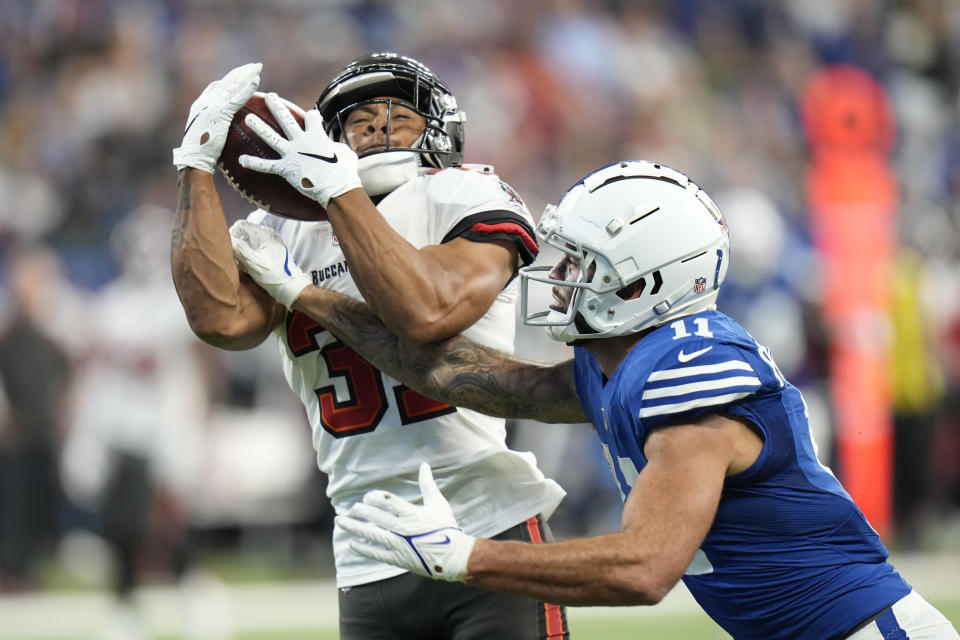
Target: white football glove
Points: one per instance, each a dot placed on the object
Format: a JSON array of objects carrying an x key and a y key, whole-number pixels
[
  {"x": 210, "y": 116},
  {"x": 261, "y": 252},
  {"x": 425, "y": 540},
  {"x": 315, "y": 165}
]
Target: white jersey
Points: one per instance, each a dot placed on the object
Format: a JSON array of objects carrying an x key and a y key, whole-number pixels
[{"x": 369, "y": 430}]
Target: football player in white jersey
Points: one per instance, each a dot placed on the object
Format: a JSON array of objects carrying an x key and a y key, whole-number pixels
[
  {"x": 434, "y": 246},
  {"x": 709, "y": 444}
]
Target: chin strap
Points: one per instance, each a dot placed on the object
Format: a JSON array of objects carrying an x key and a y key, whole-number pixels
[{"x": 381, "y": 173}]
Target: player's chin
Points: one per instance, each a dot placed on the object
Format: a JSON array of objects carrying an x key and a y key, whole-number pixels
[{"x": 371, "y": 151}]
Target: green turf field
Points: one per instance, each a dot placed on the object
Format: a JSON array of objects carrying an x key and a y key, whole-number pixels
[
  {"x": 261, "y": 604},
  {"x": 585, "y": 624},
  {"x": 621, "y": 625}
]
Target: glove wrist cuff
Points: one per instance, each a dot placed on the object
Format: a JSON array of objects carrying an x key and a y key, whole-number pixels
[
  {"x": 339, "y": 191},
  {"x": 287, "y": 293},
  {"x": 183, "y": 158},
  {"x": 456, "y": 569}
]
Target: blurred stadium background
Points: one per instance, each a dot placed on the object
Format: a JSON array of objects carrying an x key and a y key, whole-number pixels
[{"x": 827, "y": 130}]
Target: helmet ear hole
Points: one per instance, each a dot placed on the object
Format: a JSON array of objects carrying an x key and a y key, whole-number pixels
[{"x": 633, "y": 290}]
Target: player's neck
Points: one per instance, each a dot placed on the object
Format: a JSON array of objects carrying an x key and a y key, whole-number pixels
[{"x": 610, "y": 352}]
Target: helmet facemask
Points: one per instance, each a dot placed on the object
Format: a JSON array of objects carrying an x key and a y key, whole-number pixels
[
  {"x": 383, "y": 170},
  {"x": 577, "y": 278},
  {"x": 390, "y": 78},
  {"x": 432, "y": 141}
]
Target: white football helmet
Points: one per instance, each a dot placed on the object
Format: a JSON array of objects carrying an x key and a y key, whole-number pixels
[{"x": 629, "y": 222}]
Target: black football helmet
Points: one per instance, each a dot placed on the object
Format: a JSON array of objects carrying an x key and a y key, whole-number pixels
[{"x": 379, "y": 75}]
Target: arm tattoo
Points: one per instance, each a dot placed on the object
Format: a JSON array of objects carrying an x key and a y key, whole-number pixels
[
  {"x": 457, "y": 370},
  {"x": 471, "y": 375}
]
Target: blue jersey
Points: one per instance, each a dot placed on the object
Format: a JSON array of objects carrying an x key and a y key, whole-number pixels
[{"x": 789, "y": 554}]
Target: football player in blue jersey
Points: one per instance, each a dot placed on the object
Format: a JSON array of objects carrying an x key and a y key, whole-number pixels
[{"x": 709, "y": 444}]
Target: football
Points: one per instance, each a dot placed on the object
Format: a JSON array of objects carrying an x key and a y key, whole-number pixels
[{"x": 265, "y": 190}]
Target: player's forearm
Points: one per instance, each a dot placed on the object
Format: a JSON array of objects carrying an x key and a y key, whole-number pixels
[
  {"x": 204, "y": 271},
  {"x": 665, "y": 519},
  {"x": 402, "y": 284},
  {"x": 607, "y": 570},
  {"x": 201, "y": 256},
  {"x": 456, "y": 371}
]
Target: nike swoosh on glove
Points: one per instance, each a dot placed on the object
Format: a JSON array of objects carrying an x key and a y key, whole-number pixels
[
  {"x": 425, "y": 540},
  {"x": 315, "y": 165},
  {"x": 261, "y": 253},
  {"x": 210, "y": 116}
]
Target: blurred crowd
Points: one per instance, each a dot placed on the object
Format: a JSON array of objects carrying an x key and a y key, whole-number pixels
[{"x": 115, "y": 421}]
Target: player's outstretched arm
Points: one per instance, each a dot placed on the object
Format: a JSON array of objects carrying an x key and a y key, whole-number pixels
[
  {"x": 666, "y": 517},
  {"x": 424, "y": 294},
  {"x": 223, "y": 308},
  {"x": 456, "y": 370}
]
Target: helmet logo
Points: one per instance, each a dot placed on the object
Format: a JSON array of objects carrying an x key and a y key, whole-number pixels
[{"x": 699, "y": 285}]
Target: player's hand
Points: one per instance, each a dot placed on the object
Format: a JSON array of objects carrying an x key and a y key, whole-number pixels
[
  {"x": 210, "y": 116},
  {"x": 423, "y": 539},
  {"x": 315, "y": 165},
  {"x": 261, "y": 252}
]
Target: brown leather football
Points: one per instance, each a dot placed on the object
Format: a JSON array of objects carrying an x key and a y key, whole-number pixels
[{"x": 265, "y": 190}]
